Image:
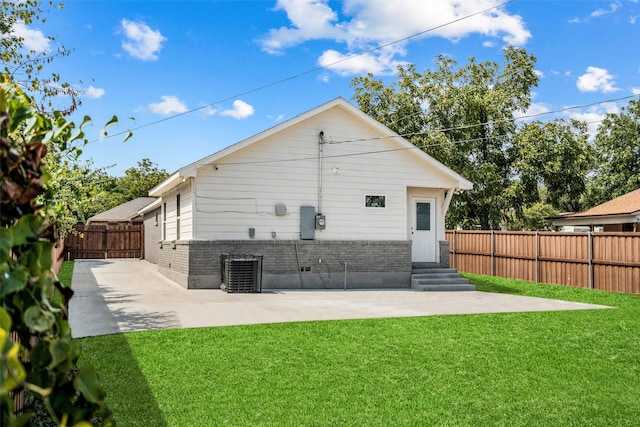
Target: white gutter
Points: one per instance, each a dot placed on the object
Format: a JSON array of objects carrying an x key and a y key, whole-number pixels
[
  {"x": 166, "y": 185},
  {"x": 151, "y": 206}
]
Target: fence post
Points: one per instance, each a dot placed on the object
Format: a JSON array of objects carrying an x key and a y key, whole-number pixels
[
  {"x": 493, "y": 251},
  {"x": 590, "y": 255},
  {"x": 105, "y": 241},
  {"x": 453, "y": 241},
  {"x": 537, "y": 256}
]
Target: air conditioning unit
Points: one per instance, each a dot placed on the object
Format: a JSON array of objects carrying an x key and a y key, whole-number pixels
[{"x": 241, "y": 273}]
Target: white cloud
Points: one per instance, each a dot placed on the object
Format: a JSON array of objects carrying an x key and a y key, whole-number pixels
[
  {"x": 209, "y": 111},
  {"x": 365, "y": 24},
  {"x": 596, "y": 80},
  {"x": 539, "y": 73},
  {"x": 635, "y": 90},
  {"x": 277, "y": 118},
  {"x": 240, "y": 110},
  {"x": 94, "y": 92},
  {"x": 141, "y": 41},
  {"x": 594, "y": 115},
  {"x": 32, "y": 39},
  {"x": 382, "y": 63},
  {"x": 612, "y": 8},
  {"x": 532, "y": 113},
  {"x": 168, "y": 105}
]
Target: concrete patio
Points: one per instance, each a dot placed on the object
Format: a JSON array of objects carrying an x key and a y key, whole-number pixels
[{"x": 124, "y": 295}]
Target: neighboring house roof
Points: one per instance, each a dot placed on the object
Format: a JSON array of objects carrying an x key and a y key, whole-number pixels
[
  {"x": 191, "y": 169},
  {"x": 625, "y": 208},
  {"x": 124, "y": 212}
]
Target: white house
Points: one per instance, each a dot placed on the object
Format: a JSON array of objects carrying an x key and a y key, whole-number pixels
[{"x": 329, "y": 199}]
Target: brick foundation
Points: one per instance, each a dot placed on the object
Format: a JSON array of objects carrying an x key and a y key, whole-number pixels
[
  {"x": 444, "y": 253},
  {"x": 316, "y": 264}
]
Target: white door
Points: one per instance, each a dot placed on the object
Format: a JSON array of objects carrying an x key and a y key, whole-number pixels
[{"x": 423, "y": 230}]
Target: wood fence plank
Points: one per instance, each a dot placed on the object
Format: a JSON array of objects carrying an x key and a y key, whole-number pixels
[
  {"x": 107, "y": 241},
  {"x": 606, "y": 261}
]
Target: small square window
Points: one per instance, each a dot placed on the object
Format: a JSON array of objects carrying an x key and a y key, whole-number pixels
[{"x": 371, "y": 201}]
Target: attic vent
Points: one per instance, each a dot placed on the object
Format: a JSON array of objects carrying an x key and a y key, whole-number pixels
[{"x": 241, "y": 273}]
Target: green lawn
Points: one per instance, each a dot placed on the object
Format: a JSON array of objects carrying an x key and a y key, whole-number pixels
[{"x": 577, "y": 368}]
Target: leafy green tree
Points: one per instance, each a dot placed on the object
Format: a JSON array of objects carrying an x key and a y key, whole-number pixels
[
  {"x": 83, "y": 191},
  {"x": 462, "y": 116},
  {"x": 618, "y": 144},
  {"x": 26, "y": 66},
  {"x": 137, "y": 181},
  {"x": 556, "y": 156},
  {"x": 70, "y": 393}
]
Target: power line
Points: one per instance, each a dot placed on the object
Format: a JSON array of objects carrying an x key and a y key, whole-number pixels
[
  {"x": 530, "y": 116},
  {"x": 278, "y": 82},
  {"x": 421, "y": 147}
]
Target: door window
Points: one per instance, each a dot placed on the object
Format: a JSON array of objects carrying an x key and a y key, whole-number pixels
[{"x": 423, "y": 216}]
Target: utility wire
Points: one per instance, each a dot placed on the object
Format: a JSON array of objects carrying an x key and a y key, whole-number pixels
[
  {"x": 313, "y": 70},
  {"x": 413, "y": 147},
  {"x": 530, "y": 116}
]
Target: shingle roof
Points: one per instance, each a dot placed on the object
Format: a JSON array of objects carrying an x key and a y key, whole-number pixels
[
  {"x": 624, "y": 205},
  {"x": 124, "y": 212}
]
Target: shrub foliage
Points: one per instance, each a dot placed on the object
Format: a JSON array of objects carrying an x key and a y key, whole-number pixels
[{"x": 38, "y": 353}]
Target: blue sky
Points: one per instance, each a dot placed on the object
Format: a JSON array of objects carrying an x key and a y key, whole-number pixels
[{"x": 245, "y": 66}]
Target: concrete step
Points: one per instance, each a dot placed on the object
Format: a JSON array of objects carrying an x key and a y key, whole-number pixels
[
  {"x": 444, "y": 288},
  {"x": 426, "y": 280},
  {"x": 426, "y": 265},
  {"x": 435, "y": 278},
  {"x": 443, "y": 272}
]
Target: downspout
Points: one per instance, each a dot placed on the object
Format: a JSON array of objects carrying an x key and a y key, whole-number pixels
[
  {"x": 194, "y": 208},
  {"x": 295, "y": 242},
  {"x": 320, "y": 144}
]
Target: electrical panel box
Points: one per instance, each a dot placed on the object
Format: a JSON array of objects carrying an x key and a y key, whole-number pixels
[
  {"x": 307, "y": 222},
  {"x": 321, "y": 222}
]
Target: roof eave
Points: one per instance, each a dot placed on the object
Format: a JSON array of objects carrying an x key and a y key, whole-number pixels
[
  {"x": 151, "y": 206},
  {"x": 597, "y": 219},
  {"x": 168, "y": 184}
]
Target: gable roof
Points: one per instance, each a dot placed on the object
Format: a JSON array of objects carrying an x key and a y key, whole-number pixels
[
  {"x": 123, "y": 212},
  {"x": 623, "y": 209},
  {"x": 191, "y": 169}
]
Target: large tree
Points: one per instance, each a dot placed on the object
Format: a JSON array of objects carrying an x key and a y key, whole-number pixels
[
  {"x": 137, "y": 181},
  {"x": 555, "y": 156},
  {"x": 462, "y": 116},
  {"x": 25, "y": 65},
  {"x": 618, "y": 143}
]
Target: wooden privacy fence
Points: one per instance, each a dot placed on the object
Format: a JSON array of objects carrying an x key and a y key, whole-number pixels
[
  {"x": 605, "y": 261},
  {"x": 106, "y": 241}
]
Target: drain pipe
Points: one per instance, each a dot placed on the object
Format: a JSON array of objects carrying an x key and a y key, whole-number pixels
[
  {"x": 295, "y": 242},
  {"x": 345, "y": 275},
  {"x": 320, "y": 144}
]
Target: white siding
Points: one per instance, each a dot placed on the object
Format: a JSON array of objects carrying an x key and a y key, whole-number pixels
[
  {"x": 186, "y": 212},
  {"x": 241, "y": 191}
]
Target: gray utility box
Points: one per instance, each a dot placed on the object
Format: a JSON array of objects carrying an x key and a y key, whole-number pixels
[
  {"x": 307, "y": 222},
  {"x": 241, "y": 273}
]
